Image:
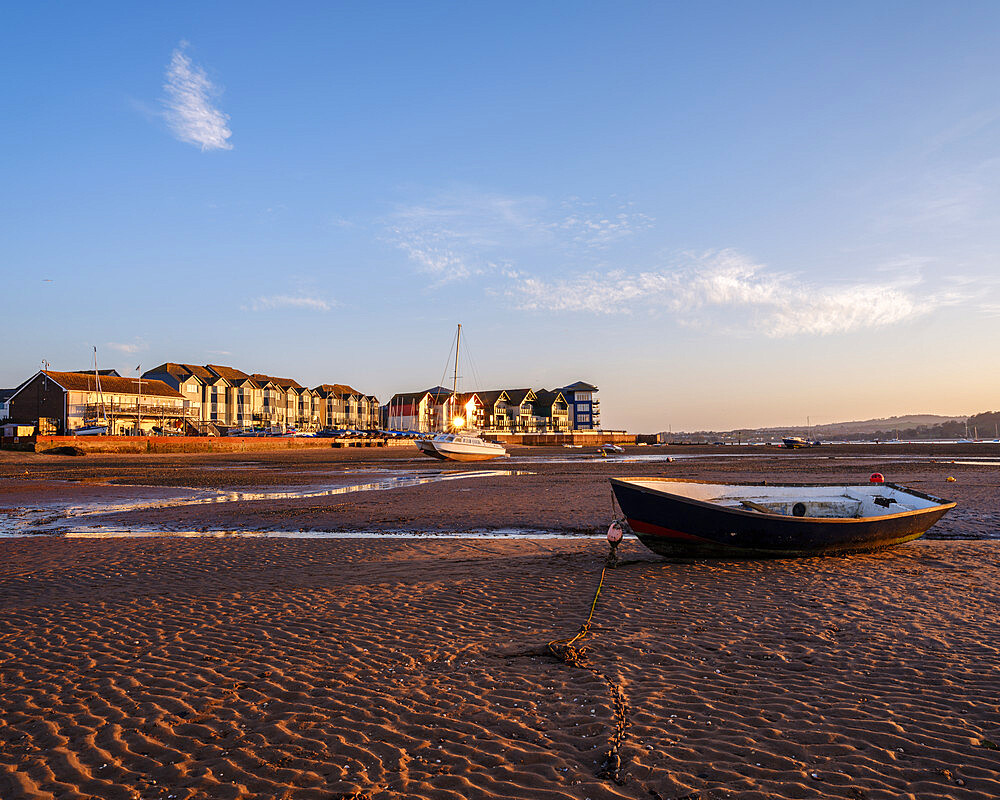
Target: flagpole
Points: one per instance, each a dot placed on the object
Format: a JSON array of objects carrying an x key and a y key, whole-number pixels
[{"x": 138, "y": 404}]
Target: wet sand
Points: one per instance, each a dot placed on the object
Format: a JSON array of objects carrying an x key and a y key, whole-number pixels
[
  {"x": 304, "y": 668},
  {"x": 557, "y": 489}
]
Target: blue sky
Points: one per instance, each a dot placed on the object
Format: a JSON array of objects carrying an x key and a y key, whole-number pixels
[{"x": 723, "y": 214}]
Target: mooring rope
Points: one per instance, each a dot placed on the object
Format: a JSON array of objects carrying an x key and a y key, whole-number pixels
[
  {"x": 564, "y": 649},
  {"x": 568, "y": 651}
]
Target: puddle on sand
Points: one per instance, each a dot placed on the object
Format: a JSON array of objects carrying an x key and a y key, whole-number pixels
[
  {"x": 594, "y": 458},
  {"x": 111, "y": 532},
  {"x": 57, "y": 517}
]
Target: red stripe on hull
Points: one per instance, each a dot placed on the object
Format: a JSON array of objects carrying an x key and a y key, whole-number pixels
[{"x": 667, "y": 533}]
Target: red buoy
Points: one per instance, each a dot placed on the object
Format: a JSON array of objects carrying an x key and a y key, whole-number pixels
[
  {"x": 876, "y": 477},
  {"x": 615, "y": 533}
]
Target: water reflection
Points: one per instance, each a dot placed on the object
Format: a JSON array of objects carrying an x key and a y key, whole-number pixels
[
  {"x": 112, "y": 532},
  {"x": 58, "y": 517}
]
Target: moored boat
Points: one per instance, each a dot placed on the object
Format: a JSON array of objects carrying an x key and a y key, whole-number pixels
[
  {"x": 461, "y": 441},
  {"x": 97, "y": 425},
  {"x": 90, "y": 430},
  {"x": 425, "y": 445},
  {"x": 462, "y": 447},
  {"x": 676, "y": 517}
]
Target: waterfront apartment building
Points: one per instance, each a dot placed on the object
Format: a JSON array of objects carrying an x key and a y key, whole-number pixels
[
  {"x": 221, "y": 396},
  {"x": 584, "y": 408},
  {"x": 62, "y": 402},
  {"x": 342, "y": 407},
  {"x": 495, "y": 411},
  {"x": 420, "y": 411}
]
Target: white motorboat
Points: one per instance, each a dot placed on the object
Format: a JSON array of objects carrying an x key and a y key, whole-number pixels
[
  {"x": 462, "y": 447},
  {"x": 90, "y": 430},
  {"x": 426, "y": 446}
]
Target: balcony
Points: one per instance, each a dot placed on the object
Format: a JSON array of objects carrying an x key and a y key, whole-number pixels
[{"x": 94, "y": 410}]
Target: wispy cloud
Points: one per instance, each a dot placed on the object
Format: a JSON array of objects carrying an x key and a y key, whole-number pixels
[
  {"x": 458, "y": 235},
  {"x": 279, "y": 301},
  {"x": 135, "y": 346},
  {"x": 589, "y": 225},
  {"x": 462, "y": 234},
  {"x": 190, "y": 112},
  {"x": 726, "y": 290}
]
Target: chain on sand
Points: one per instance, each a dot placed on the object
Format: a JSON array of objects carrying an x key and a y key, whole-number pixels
[{"x": 573, "y": 653}]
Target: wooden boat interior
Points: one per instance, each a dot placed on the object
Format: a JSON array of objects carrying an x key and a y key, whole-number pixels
[{"x": 842, "y": 502}]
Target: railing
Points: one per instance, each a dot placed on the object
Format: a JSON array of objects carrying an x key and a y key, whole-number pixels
[{"x": 147, "y": 410}]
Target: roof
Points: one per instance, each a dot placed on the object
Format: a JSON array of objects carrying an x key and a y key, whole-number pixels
[
  {"x": 6, "y": 393},
  {"x": 231, "y": 374},
  {"x": 579, "y": 386},
  {"x": 178, "y": 371},
  {"x": 439, "y": 393},
  {"x": 518, "y": 396},
  {"x": 545, "y": 399},
  {"x": 284, "y": 383},
  {"x": 338, "y": 389},
  {"x": 85, "y": 382},
  {"x": 102, "y": 372},
  {"x": 199, "y": 372},
  {"x": 407, "y": 397},
  {"x": 489, "y": 399}
]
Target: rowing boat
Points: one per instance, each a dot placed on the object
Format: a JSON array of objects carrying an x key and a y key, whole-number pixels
[{"x": 675, "y": 517}]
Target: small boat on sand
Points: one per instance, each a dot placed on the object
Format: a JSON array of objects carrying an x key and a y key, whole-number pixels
[
  {"x": 675, "y": 517},
  {"x": 461, "y": 442},
  {"x": 461, "y": 447}
]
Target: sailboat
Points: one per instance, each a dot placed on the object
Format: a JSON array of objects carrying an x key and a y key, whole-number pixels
[
  {"x": 459, "y": 443},
  {"x": 98, "y": 426}
]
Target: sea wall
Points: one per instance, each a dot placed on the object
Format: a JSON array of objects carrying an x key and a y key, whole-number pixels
[
  {"x": 571, "y": 437},
  {"x": 203, "y": 444}
]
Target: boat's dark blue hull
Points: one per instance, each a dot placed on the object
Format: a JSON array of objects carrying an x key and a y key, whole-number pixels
[{"x": 673, "y": 525}]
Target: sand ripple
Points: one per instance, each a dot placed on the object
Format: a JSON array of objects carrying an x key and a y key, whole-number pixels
[{"x": 345, "y": 669}]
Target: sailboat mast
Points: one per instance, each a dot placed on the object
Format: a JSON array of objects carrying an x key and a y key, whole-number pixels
[
  {"x": 100, "y": 394},
  {"x": 458, "y": 343},
  {"x": 454, "y": 380}
]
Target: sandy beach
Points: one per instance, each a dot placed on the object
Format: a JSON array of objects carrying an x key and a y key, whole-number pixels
[{"x": 237, "y": 666}]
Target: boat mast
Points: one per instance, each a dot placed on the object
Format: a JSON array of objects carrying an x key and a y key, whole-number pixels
[
  {"x": 138, "y": 404},
  {"x": 454, "y": 383},
  {"x": 100, "y": 395}
]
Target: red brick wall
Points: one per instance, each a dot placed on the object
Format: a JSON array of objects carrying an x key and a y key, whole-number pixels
[
  {"x": 576, "y": 437},
  {"x": 184, "y": 444},
  {"x": 40, "y": 398}
]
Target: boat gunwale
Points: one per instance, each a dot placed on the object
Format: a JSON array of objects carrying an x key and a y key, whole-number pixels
[{"x": 946, "y": 505}]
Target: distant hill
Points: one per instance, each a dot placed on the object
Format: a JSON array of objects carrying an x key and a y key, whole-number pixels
[
  {"x": 885, "y": 424},
  {"x": 984, "y": 425}
]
